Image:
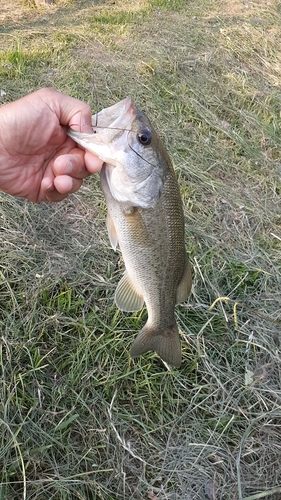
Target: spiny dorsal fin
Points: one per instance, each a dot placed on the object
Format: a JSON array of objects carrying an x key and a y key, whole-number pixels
[{"x": 126, "y": 297}]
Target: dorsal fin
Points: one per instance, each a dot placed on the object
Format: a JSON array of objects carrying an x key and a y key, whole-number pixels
[{"x": 184, "y": 287}]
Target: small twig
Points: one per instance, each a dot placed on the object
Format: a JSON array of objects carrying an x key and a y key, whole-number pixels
[
  {"x": 121, "y": 440},
  {"x": 263, "y": 494},
  {"x": 150, "y": 67},
  {"x": 227, "y": 299},
  {"x": 275, "y": 236}
]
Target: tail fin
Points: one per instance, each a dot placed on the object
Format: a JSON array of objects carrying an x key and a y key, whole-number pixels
[{"x": 165, "y": 342}]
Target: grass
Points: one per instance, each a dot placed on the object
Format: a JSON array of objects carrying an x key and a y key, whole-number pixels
[{"x": 79, "y": 419}]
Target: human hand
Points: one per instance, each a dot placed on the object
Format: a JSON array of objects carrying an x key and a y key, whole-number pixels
[{"x": 38, "y": 161}]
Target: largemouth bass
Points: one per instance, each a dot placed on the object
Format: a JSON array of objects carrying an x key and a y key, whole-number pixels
[{"x": 145, "y": 217}]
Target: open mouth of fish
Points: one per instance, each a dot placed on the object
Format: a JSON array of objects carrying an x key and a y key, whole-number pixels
[{"x": 113, "y": 118}]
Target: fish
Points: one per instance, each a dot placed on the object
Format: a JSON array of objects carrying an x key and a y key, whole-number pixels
[{"x": 145, "y": 219}]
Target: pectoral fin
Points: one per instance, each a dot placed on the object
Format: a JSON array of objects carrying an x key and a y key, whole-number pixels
[
  {"x": 136, "y": 225},
  {"x": 184, "y": 287},
  {"x": 112, "y": 234},
  {"x": 126, "y": 297}
]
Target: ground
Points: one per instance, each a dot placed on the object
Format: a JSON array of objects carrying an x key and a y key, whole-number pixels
[{"x": 79, "y": 418}]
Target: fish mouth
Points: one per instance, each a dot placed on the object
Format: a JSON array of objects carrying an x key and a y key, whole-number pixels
[
  {"x": 111, "y": 127},
  {"x": 118, "y": 116}
]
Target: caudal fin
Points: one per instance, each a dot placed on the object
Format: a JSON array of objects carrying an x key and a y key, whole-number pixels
[{"x": 165, "y": 342}]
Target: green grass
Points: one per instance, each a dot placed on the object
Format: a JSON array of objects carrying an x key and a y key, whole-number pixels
[{"x": 79, "y": 419}]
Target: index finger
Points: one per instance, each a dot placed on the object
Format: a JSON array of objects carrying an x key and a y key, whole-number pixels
[
  {"x": 93, "y": 163},
  {"x": 77, "y": 163}
]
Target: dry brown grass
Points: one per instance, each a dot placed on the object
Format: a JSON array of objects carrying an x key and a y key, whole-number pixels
[{"x": 79, "y": 419}]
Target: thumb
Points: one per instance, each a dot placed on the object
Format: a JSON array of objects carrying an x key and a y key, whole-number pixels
[
  {"x": 81, "y": 120},
  {"x": 72, "y": 112}
]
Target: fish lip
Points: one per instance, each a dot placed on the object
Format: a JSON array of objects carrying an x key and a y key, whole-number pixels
[
  {"x": 113, "y": 123},
  {"x": 111, "y": 117}
]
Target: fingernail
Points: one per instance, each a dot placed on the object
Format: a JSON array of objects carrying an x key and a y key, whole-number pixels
[
  {"x": 50, "y": 187},
  {"x": 77, "y": 124}
]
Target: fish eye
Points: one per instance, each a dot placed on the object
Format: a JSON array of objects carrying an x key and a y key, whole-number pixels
[{"x": 145, "y": 137}]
